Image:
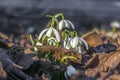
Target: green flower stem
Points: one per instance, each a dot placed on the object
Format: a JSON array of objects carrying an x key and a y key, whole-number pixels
[
  {"x": 58, "y": 15},
  {"x": 31, "y": 39},
  {"x": 76, "y": 34},
  {"x": 57, "y": 23}
]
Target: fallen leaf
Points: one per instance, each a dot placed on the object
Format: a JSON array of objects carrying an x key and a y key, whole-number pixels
[{"x": 93, "y": 39}]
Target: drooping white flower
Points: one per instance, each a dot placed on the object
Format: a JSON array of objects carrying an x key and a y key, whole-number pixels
[
  {"x": 48, "y": 32},
  {"x": 70, "y": 71},
  {"x": 115, "y": 24},
  {"x": 66, "y": 24},
  {"x": 57, "y": 34},
  {"x": 76, "y": 42}
]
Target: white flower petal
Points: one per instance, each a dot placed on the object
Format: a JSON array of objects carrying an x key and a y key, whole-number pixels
[
  {"x": 61, "y": 24},
  {"x": 49, "y": 32},
  {"x": 70, "y": 71},
  {"x": 71, "y": 24},
  {"x": 82, "y": 41},
  {"x": 41, "y": 34},
  {"x": 74, "y": 42},
  {"x": 57, "y": 35}
]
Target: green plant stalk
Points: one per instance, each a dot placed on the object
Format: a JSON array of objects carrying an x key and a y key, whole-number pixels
[{"x": 31, "y": 39}]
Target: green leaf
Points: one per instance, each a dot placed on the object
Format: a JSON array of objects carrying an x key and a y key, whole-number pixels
[
  {"x": 31, "y": 39},
  {"x": 67, "y": 57}
]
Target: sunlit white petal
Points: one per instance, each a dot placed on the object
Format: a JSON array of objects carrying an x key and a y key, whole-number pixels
[
  {"x": 49, "y": 32},
  {"x": 41, "y": 34},
  {"x": 61, "y": 24},
  {"x": 57, "y": 35},
  {"x": 74, "y": 42}
]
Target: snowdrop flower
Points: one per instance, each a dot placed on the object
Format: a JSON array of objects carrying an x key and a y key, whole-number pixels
[
  {"x": 70, "y": 71},
  {"x": 115, "y": 24},
  {"x": 48, "y": 32},
  {"x": 66, "y": 24},
  {"x": 66, "y": 43},
  {"x": 74, "y": 42},
  {"x": 77, "y": 40}
]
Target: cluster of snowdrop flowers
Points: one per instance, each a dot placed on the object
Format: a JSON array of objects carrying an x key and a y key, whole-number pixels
[
  {"x": 52, "y": 33},
  {"x": 59, "y": 34},
  {"x": 74, "y": 42}
]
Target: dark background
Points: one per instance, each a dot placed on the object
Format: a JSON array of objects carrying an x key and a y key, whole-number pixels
[{"x": 28, "y": 16}]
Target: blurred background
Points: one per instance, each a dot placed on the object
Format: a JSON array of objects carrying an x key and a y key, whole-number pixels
[{"x": 28, "y": 16}]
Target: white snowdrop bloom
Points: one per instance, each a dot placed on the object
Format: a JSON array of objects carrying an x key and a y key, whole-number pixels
[
  {"x": 48, "y": 32},
  {"x": 57, "y": 34},
  {"x": 77, "y": 41},
  {"x": 115, "y": 24},
  {"x": 70, "y": 71},
  {"x": 66, "y": 24},
  {"x": 74, "y": 42}
]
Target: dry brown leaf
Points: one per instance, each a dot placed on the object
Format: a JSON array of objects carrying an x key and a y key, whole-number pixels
[
  {"x": 109, "y": 62},
  {"x": 93, "y": 39},
  {"x": 59, "y": 52}
]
